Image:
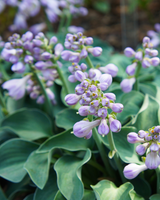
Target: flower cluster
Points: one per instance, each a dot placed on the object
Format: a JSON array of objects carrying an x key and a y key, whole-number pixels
[
  {"x": 81, "y": 46},
  {"x": 89, "y": 93},
  {"x": 155, "y": 35},
  {"x": 150, "y": 145},
  {"x": 143, "y": 57},
  {"x": 30, "y": 8},
  {"x": 41, "y": 55}
]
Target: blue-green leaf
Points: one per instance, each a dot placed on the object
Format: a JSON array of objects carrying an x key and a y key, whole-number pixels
[
  {"x": 13, "y": 155},
  {"x": 29, "y": 124},
  {"x": 68, "y": 169}
]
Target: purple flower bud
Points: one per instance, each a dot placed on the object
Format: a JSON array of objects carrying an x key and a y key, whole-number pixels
[
  {"x": 142, "y": 133},
  {"x": 92, "y": 110},
  {"x": 13, "y": 59},
  {"x": 40, "y": 99},
  {"x": 152, "y": 160},
  {"x": 28, "y": 36},
  {"x": 132, "y": 170},
  {"x": 79, "y": 90},
  {"x": 127, "y": 84},
  {"x": 74, "y": 57},
  {"x": 46, "y": 56},
  {"x": 66, "y": 55},
  {"x": 82, "y": 128},
  {"x": 103, "y": 128},
  {"x": 49, "y": 83},
  {"x": 28, "y": 59},
  {"x": 107, "y": 78},
  {"x": 53, "y": 40},
  {"x": 132, "y": 137},
  {"x": 89, "y": 135},
  {"x": 95, "y": 51},
  {"x": 110, "y": 96},
  {"x": 94, "y": 95},
  {"x": 37, "y": 43},
  {"x": 92, "y": 88},
  {"x": 81, "y": 41},
  {"x": 94, "y": 103},
  {"x": 102, "y": 112},
  {"x": 94, "y": 74},
  {"x": 153, "y": 52},
  {"x": 139, "y": 55},
  {"x": 148, "y": 137},
  {"x": 72, "y": 79},
  {"x": 88, "y": 93},
  {"x": 110, "y": 69},
  {"x": 40, "y": 65},
  {"x": 130, "y": 70},
  {"x": 28, "y": 46},
  {"x": 16, "y": 87},
  {"x": 67, "y": 45},
  {"x": 105, "y": 102},
  {"x": 116, "y": 107},
  {"x": 154, "y": 147},
  {"x": 146, "y": 40},
  {"x": 19, "y": 67},
  {"x": 74, "y": 47},
  {"x": 88, "y": 40},
  {"x": 103, "y": 86},
  {"x": 58, "y": 49},
  {"x": 83, "y": 67},
  {"x": 83, "y": 53},
  {"x": 72, "y": 99},
  {"x": 151, "y": 33},
  {"x": 37, "y": 50},
  {"x": 157, "y": 129},
  {"x": 34, "y": 94},
  {"x": 154, "y": 61},
  {"x": 50, "y": 94},
  {"x": 79, "y": 75},
  {"x": 84, "y": 84},
  {"x": 83, "y": 110},
  {"x": 141, "y": 149},
  {"x": 114, "y": 124},
  {"x": 129, "y": 52}
]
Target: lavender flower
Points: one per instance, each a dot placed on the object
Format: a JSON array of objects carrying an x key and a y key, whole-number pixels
[
  {"x": 132, "y": 170},
  {"x": 16, "y": 87}
]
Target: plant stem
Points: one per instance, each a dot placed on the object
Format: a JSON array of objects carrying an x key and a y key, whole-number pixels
[
  {"x": 116, "y": 156},
  {"x": 61, "y": 76},
  {"x": 158, "y": 180},
  {"x": 61, "y": 23},
  {"x": 48, "y": 105},
  {"x": 102, "y": 152},
  {"x": 3, "y": 71},
  {"x": 69, "y": 19},
  {"x": 136, "y": 85},
  {"x": 62, "y": 79},
  {"x": 2, "y": 103},
  {"x": 89, "y": 62}
]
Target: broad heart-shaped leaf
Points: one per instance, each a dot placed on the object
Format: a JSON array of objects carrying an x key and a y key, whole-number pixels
[
  {"x": 37, "y": 167},
  {"x": 6, "y": 134},
  {"x": 67, "y": 118},
  {"x": 50, "y": 188},
  {"x": 13, "y": 155},
  {"x": 132, "y": 102},
  {"x": 68, "y": 169},
  {"x": 66, "y": 140},
  {"x": 125, "y": 149},
  {"x": 106, "y": 190},
  {"x": 148, "y": 88},
  {"x": 148, "y": 115},
  {"x": 59, "y": 196},
  {"x": 2, "y": 196},
  {"x": 155, "y": 197},
  {"x": 29, "y": 124}
]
